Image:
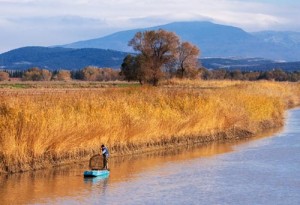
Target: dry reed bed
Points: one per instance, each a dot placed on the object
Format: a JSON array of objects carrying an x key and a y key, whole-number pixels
[{"x": 51, "y": 128}]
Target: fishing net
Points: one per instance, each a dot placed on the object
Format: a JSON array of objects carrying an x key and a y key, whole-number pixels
[{"x": 96, "y": 162}]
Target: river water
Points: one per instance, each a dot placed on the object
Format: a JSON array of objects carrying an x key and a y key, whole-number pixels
[{"x": 261, "y": 170}]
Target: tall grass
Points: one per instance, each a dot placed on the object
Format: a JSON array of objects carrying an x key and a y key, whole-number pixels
[{"x": 39, "y": 128}]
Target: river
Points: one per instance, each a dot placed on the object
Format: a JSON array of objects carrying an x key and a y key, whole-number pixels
[{"x": 260, "y": 170}]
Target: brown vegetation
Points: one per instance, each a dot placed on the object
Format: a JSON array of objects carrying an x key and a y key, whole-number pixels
[
  {"x": 4, "y": 76},
  {"x": 158, "y": 52},
  {"x": 91, "y": 73},
  {"x": 36, "y": 74},
  {"x": 40, "y": 128},
  {"x": 63, "y": 75},
  {"x": 188, "y": 60},
  {"x": 158, "y": 49}
]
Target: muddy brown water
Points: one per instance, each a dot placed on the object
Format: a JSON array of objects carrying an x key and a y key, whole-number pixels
[{"x": 261, "y": 170}]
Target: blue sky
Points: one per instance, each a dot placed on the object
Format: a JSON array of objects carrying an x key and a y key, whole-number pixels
[{"x": 54, "y": 22}]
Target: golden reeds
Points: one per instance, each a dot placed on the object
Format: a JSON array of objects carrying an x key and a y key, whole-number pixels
[{"x": 39, "y": 127}]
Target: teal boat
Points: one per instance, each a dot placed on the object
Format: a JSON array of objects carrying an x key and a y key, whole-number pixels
[
  {"x": 96, "y": 173},
  {"x": 95, "y": 168}
]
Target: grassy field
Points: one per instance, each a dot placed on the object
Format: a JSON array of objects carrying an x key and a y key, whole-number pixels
[
  {"x": 18, "y": 84},
  {"x": 42, "y": 126}
]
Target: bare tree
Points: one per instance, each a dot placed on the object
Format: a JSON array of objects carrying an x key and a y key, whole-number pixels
[
  {"x": 157, "y": 49},
  {"x": 45, "y": 75},
  {"x": 108, "y": 74},
  {"x": 90, "y": 73},
  {"x": 188, "y": 59}
]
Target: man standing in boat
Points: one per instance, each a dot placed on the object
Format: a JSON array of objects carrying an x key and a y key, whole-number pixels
[{"x": 105, "y": 155}]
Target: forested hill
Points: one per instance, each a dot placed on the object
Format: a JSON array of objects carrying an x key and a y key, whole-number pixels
[
  {"x": 73, "y": 59},
  {"x": 60, "y": 58}
]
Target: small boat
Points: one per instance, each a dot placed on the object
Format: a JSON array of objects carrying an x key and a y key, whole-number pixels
[
  {"x": 95, "y": 168},
  {"x": 96, "y": 173}
]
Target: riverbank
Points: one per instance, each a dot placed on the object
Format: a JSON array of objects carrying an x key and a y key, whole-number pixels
[{"x": 41, "y": 128}]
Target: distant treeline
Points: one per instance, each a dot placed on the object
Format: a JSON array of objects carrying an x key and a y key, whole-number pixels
[
  {"x": 91, "y": 73},
  {"x": 275, "y": 75},
  {"x": 248, "y": 64}
]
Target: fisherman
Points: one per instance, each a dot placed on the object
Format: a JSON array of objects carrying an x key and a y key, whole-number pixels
[{"x": 105, "y": 155}]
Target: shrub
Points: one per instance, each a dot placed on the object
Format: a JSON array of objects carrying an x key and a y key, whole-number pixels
[
  {"x": 36, "y": 74},
  {"x": 4, "y": 76},
  {"x": 63, "y": 75}
]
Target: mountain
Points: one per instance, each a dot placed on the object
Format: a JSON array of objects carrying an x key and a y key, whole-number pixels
[
  {"x": 221, "y": 46},
  {"x": 282, "y": 38},
  {"x": 214, "y": 40},
  {"x": 60, "y": 58}
]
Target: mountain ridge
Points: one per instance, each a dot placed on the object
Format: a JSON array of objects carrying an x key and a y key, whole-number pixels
[
  {"x": 224, "y": 44},
  {"x": 60, "y": 58},
  {"x": 214, "y": 40}
]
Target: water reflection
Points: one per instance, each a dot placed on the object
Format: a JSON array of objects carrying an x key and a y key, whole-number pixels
[
  {"x": 64, "y": 183},
  {"x": 95, "y": 180}
]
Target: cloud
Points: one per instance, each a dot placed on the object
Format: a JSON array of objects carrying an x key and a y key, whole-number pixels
[
  {"x": 48, "y": 22},
  {"x": 115, "y": 11},
  {"x": 45, "y": 31}
]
